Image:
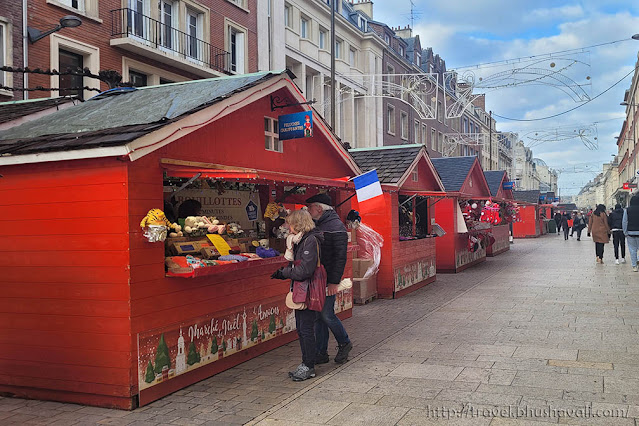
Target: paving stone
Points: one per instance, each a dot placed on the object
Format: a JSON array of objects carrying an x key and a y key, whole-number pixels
[
  {"x": 486, "y": 375},
  {"x": 426, "y": 371},
  {"x": 558, "y": 381},
  {"x": 544, "y": 353},
  {"x": 309, "y": 410},
  {"x": 362, "y": 414}
]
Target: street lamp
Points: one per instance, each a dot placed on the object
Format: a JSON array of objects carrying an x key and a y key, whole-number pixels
[{"x": 68, "y": 21}]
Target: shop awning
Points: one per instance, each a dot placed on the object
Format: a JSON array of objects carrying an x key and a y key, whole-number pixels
[{"x": 184, "y": 169}]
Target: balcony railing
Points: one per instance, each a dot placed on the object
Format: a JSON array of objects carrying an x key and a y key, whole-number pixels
[{"x": 129, "y": 23}]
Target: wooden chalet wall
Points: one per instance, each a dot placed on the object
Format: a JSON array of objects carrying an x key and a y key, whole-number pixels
[
  {"x": 235, "y": 140},
  {"x": 64, "y": 307}
]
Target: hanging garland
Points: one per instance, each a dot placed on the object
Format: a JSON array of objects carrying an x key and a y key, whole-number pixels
[{"x": 111, "y": 77}]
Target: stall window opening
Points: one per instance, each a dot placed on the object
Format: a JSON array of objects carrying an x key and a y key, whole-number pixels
[
  {"x": 272, "y": 140},
  {"x": 413, "y": 217}
]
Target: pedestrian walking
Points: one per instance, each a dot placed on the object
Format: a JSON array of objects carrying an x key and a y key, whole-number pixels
[
  {"x": 564, "y": 225},
  {"x": 579, "y": 224},
  {"x": 571, "y": 222},
  {"x": 630, "y": 225},
  {"x": 306, "y": 250},
  {"x": 558, "y": 222},
  {"x": 600, "y": 231},
  {"x": 333, "y": 257},
  {"x": 615, "y": 221}
]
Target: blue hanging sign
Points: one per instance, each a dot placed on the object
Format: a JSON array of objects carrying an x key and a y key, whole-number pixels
[
  {"x": 251, "y": 210},
  {"x": 508, "y": 185},
  {"x": 557, "y": 199},
  {"x": 295, "y": 126},
  {"x": 542, "y": 198}
]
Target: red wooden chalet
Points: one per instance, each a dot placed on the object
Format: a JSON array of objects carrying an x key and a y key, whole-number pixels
[
  {"x": 464, "y": 181},
  {"x": 530, "y": 225},
  {"x": 501, "y": 232},
  {"x": 88, "y": 313},
  {"x": 409, "y": 183}
]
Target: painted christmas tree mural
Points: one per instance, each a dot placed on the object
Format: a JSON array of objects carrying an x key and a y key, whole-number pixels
[
  {"x": 271, "y": 324},
  {"x": 193, "y": 356},
  {"x": 162, "y": 356},
  {"x": 150, "y": 374},
  {"x": 214, "y": 347},
  {"x": 254, "y": 331}
]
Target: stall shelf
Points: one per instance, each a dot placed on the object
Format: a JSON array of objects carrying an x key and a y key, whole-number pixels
[
  {"x": 85, "y": 294},
  {"x": 530, "y": 225},
  {"x": 463, "y": 180},
  {"x": 497, "y": 181},
  {"x": 410, "y": 188}
]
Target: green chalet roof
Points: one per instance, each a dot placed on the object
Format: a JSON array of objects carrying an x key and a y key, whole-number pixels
[{"x": 119, "y": 116}]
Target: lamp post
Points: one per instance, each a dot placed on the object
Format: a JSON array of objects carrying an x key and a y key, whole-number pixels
[
  {"x": 333, "y": 4},
  {"x": 68, "y": 21}
]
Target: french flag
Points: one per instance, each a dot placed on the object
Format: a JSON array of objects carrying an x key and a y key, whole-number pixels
[{"x": 369, "y": 192}]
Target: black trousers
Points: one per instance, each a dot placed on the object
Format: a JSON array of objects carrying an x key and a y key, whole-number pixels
[
  {"x": 599, "y": 250},
  {"x": 305, "y": 322},
  {"x": 619, "y": 239},
  {"x": 579, "y": 229},
  {"x": 566, "y": 229}
]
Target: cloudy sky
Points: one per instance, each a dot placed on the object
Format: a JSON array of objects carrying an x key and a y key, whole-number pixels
[{"x": 465, "y": 33}]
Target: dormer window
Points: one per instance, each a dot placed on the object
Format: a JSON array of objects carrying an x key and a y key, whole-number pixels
[
  {"x": 362, "y": 23},
  {"x": 401, "y": 51},
  {"x": 387, "y": 38}
]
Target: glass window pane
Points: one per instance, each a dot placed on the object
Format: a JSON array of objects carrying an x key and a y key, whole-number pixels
[
  {"x": 267, "y": 142},
  {"x": 267, "y": 125}
]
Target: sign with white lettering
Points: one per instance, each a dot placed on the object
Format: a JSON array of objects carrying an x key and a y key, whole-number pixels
[{"x": 296, "y": 125}]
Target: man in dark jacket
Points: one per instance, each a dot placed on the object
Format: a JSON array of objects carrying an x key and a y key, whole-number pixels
[
  {"x": 615, "y": 221},
  {"x": 558, "y": 222},
  {"x": 631, "y": 229},
  {"x": 333, "y": 257}
]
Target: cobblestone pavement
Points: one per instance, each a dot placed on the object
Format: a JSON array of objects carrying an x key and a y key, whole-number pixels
[{"x": 537, "y": 334}]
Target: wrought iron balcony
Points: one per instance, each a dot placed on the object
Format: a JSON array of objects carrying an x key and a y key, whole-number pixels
[{"x": 151, "y": 33}]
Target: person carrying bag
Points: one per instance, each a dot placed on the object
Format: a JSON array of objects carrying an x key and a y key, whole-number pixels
[{"x": 308, "y": 285}]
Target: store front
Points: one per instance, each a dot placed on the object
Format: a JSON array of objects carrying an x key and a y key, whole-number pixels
[
  {"x": 126, "y": 319},
  {"x": 410, "y": 186},
  {"x": 467, "y": 236}
]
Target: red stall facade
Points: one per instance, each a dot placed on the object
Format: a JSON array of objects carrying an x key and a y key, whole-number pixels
[
  {"x": 531, "y": 223},
  {"x": 463, "y": 180},
  {"x": 410, "y": 183},
  {"x": 498, "y": 182},
  {"x": 87, "y": 295}
]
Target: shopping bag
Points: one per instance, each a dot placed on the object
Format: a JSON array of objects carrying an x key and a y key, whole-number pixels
[{"x": 317, "y": 289}]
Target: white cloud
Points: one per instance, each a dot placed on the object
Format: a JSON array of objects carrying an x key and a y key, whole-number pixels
[{"x": 555, "y": 13}]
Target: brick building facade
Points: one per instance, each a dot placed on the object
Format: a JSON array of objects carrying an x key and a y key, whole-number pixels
[
  {"x": 147, "y": 41},
  {"x": 11, "y": 51}
]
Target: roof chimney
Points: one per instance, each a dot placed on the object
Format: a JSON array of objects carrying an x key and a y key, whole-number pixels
[{"x": 364, "y": 6}]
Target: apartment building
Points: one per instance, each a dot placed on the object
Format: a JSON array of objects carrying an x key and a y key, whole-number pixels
[
  {"x": 295, "y": 34},
  {"x": 147, "y": 41},
  {"x": 12, "y": 17}
]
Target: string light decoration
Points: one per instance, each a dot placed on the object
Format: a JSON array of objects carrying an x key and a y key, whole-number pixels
[
  {"x": 110, "y": 77},
  {"x": 586, "y": 133}
]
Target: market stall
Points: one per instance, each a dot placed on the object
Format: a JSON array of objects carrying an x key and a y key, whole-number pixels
[
  {"x": 502, "y": 198},
  {"x": 467, "y": 236},
  {"x": 125, "y": 317},
  {"x": 410, "y": 188},
  {"x": 530, "y": 224}
]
